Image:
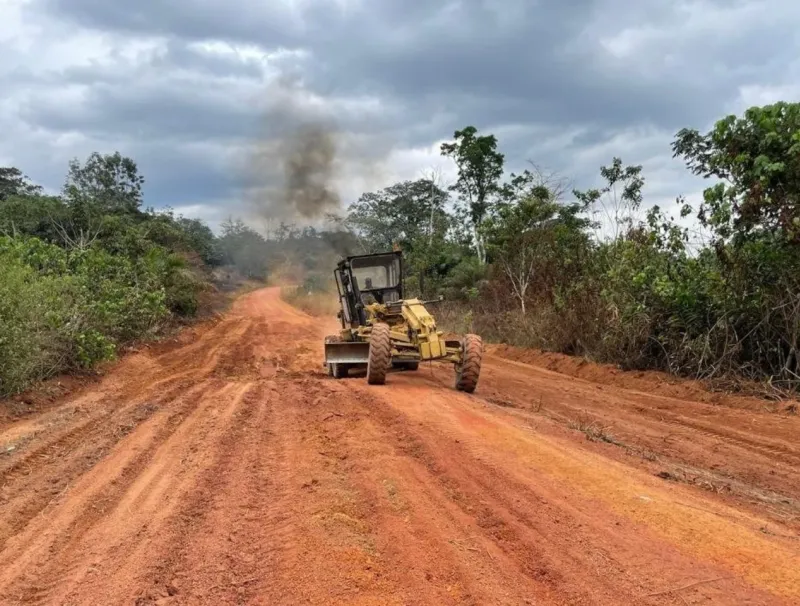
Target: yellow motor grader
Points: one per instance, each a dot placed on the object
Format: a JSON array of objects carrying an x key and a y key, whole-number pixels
[{"x": 383, "y": 332}]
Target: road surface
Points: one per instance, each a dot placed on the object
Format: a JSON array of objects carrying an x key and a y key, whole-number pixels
[{"x": 228, "y": 468}]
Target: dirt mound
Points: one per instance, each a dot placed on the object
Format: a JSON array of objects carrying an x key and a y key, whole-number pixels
[{"x": 645, "y": 381}]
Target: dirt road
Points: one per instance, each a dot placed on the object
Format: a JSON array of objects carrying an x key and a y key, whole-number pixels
[{"x": 229, "y": 468}]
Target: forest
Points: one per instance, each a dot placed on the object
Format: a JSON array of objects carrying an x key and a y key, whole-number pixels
[{"x": 521, "y": 258}]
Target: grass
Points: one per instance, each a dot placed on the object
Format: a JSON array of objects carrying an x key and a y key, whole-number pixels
[{"x": 593, "y": 431}]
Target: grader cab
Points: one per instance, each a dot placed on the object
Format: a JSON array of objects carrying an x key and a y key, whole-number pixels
[{"x": 382, "y": 331}]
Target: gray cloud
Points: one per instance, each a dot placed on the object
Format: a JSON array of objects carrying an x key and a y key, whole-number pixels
[
  {"x": 268, "y": 23},
  {"x": 190, "y": 87}
]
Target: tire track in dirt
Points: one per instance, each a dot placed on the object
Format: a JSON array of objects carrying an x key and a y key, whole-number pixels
[
  {"x": 722, "y": 459},
  {"x": 114, "y": 406},
  {"x": 533, "y": 529},
  {"x": 338, "y": 538},
  {"x": 228, "y": 468},
  {"x": 168, "y": 500},
  {"x": 45, "y": 551},
  {"x": 600, "y": 489},
  {"x": 655, "y": 411},
  {"x": 42, "y": 475},
  {"x": 77, "y": 449},
  {"x": 423, "y": 508}
]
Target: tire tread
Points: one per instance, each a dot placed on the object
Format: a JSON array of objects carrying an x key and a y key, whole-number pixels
[
  {"x": 469, "y": 371},
  {"x": 380, "y": 354}
]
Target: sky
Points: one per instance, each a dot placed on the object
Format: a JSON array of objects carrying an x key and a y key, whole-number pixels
[{"x": 202, "y": 93}]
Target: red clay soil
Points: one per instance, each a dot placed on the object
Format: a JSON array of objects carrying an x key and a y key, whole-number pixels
[
  {"x": 228, "y": 468},
  {"x": 648, "y": 381}
]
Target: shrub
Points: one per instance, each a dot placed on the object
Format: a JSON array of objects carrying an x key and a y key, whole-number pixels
[{"x": 63, "y": 310}]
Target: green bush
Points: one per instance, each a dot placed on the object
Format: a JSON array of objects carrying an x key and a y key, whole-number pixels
[
  {"x": 37, "y": 323},
  {"x": 62, "y": 310},
  {"x": 89, "y": 271}
]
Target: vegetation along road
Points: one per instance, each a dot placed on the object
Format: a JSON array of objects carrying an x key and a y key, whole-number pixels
[{"x": 227, "y": 467}]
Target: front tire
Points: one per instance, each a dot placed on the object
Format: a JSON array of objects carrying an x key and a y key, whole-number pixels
[
  {"x": 468, "y": 371},
  {"x": 380, "y": 354}
]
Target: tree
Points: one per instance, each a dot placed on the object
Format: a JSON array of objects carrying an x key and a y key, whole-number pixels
[
  {"x": 754, "y": 214},
  {"x": 24, "y": 209},
  {"x": 31, "y": 215},
  {"x": 411, "y": 215},
  {"x": 533, "y": 239},
  {"x": 244, "y": 248},
  {"x": 619, "y": 199},
  {"x": 757, "y": 157},
  {"x": 535, "y": 182},
  {"x": 201, "y": 239},
  {"x": 399, "y": 214},
  {"x": 14, "y": 183},
  {"x": 480, "y": 167},
  {"x": 110, "y": 182},
  {"x": 104, "y": 186}
]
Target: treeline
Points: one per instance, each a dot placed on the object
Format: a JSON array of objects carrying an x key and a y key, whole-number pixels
[
  {"x": 522, "y": 258},
  {"x": 90, "y": 270},
  {"x": 600, "y": 273}
]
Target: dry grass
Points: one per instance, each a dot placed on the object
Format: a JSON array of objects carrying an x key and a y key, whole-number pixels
[{"x": 593, "y": 431}]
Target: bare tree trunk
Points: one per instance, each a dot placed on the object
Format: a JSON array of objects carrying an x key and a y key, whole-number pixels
[
  {"x": 520, "y": 278},
  {"x": 479, "y": 250}
]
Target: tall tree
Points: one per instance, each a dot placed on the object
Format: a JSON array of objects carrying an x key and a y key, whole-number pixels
[
  {"x": 110, "y": 182},
  {"x": 534, "y": 240},
  {"x": 757, "y": 158},
  {"x": 102, "y": 186},
  {"x": 619, "y": 200},
  {"x": 14, "y": 183},
  {"x": 411, "y": 215},
  {"x": 402, "y": 214},
  {"x": 480, "y": 168}
]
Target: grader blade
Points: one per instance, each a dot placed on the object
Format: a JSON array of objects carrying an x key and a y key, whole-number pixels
[{"x": 345, "y": 352}]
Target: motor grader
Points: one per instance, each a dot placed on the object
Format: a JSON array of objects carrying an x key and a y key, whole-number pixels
[{"x": 384, "y": 332}]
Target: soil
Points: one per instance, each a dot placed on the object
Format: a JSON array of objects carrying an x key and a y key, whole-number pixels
[{"x": 227, "y": 467}]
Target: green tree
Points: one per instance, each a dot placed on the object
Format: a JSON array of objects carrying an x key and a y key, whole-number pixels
[
  {"x": 404, "y": 214},
  {"x": 13, "y": 182},
  {"x": 754, "y": 214},
  {"x": 617, "y": 202},
  {"x": 534, "y": 239},
  {"x": 200, "y": 237},
  {"x": 411, "y": 215},
  {"x": 31, "y": 215},
  {"x": 102, "y": 187},
  {"x": 757, "y": 159},
  {"x": 110, "y": 182},
  {"x": 480, "y": 168}
]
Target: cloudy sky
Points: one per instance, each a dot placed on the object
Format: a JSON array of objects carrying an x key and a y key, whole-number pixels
[{"x": 190, "y": 88}]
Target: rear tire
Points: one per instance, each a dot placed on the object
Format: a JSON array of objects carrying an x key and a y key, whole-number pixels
[
  {"x": 380, "y": 354},
  {"x": 469, "y": 370}
]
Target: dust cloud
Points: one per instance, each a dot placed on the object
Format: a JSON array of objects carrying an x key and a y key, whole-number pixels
[
  {"x": 302, "y": 154},
  {"x": 308, "y": 158}
]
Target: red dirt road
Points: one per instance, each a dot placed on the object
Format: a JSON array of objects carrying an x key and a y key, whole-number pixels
[{"x": 228, "y": 468}]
